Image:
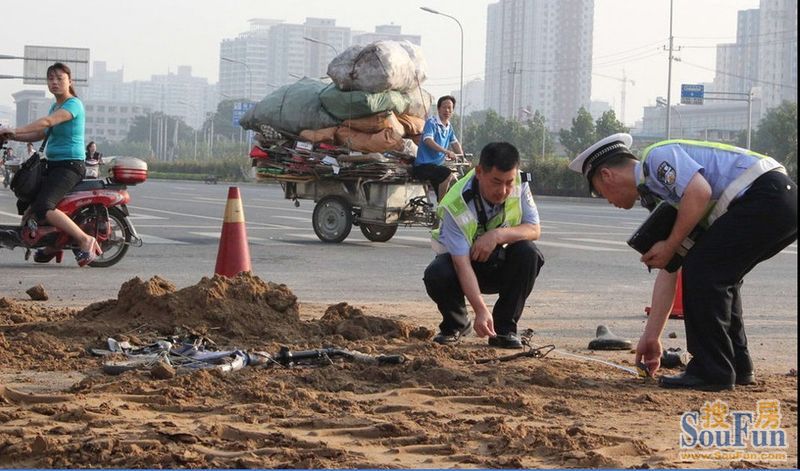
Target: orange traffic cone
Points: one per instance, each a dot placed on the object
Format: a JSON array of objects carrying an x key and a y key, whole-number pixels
[
  {"x": 677, "y": 302},
  {"x": 234, "y": 253}
]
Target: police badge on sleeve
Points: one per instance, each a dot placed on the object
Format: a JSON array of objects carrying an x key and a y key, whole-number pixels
[{"x": 666, "y": 174}]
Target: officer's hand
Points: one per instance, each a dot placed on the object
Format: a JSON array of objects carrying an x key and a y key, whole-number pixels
[
  {"x": 484, "y": 324},
  {"x": 648, "y": 351},
  {"x": 659, "y": 255},
  {"x": 483, "y": 247}
]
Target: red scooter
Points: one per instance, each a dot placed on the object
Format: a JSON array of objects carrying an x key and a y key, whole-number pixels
[{"x": 98, "y": 207}]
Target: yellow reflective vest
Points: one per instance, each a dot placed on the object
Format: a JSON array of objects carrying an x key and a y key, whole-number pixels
[{"x": 454, "y": 204}]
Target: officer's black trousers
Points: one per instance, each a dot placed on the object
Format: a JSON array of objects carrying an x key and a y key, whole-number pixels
[
  {"x": 512, "y": 279},
  {"x": 756, "y": 226}
]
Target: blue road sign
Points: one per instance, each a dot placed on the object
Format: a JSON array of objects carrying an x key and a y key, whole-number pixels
[
  {"x": 239, "y": 109},
  {"x": 692, "y": 94}
]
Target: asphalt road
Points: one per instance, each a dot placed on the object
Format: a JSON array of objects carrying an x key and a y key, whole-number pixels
[{"x": 590, "y": 274}]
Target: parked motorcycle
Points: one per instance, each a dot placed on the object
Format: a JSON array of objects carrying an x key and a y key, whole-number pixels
[{"x": 98, "y": 207}]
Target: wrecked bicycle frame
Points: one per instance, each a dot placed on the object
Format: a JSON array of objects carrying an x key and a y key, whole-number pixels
[{"x": 188, "y": 357}]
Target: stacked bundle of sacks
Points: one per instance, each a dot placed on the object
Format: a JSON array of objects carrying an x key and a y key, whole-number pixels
[{"x": 376, "y": 102}]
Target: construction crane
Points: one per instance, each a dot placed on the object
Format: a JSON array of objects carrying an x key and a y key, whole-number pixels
[{"x": 624, "y": 81}]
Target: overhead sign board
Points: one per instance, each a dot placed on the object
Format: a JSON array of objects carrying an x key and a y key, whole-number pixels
[
  {"x": 38, "y": 58},
  {"x": 692, "y": 94},
  {"x": 239, "y": 109}
]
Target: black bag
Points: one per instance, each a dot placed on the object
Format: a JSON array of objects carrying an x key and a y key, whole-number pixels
[
  {"x": 28, "y": 179},
  {"x": 657, "y": 227}
]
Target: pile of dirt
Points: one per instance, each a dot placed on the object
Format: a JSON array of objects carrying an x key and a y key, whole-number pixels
[
  {"x": 241, "y": 312},
  {"x": 228, "y": 308}
]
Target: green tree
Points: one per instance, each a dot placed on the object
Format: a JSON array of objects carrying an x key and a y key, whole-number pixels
[
  {"x": 221, "y": 121},
  {"x": 776, "y": 135},
  {"x": 581, "y": 135},
  {"x": 608, "y": 124},
  {"x": 144, "y": 128}
]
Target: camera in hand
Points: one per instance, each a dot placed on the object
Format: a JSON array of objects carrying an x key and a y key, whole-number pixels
[{"x": 657, "y": 227}]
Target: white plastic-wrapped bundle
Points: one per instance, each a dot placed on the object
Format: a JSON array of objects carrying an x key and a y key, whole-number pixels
[
  {"x": 420, "y": 64},
  {"x": 377, "y": 67}
]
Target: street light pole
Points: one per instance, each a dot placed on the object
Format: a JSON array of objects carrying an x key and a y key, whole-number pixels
[
  {"x": 312, "y": 40},
  {"x": 669, "y": 70},
  {"x": 195, "y": 129},
  {"x": 461, "y": 90},
  {"x": 247, "y": 71}
]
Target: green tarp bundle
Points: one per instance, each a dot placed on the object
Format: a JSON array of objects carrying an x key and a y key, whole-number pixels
[
  {"x": 291, "y": 108},
  {"x": 358, "y": 104}
]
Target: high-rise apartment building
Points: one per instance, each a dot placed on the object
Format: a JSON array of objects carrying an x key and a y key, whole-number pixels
[
  {"x": 31, "y": 105},
  {"x": 176, "y": 94},
  {"x": 777, "y": 51},
  {"x": 291, "y": 56},
  {"x": 737, "y": 63},
  {"x": 539, "y": 58},
  {"x": 764, "y": 55},
  {"x": 473, "y": 96},
  {"x": 274, "y": 53},
  {"x": 384, "y": 33},
  {"x": 244, "y": 62}
]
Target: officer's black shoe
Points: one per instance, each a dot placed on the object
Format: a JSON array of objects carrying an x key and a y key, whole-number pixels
[
  {"x": 746, "y": 379},
  {"x": 453, "y": 337},
  {"x": 510, "y": 341},
  {"x": 690, "y": 381}
]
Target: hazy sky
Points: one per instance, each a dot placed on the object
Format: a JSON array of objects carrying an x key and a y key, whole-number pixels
[{"x": 155, "y": 36}]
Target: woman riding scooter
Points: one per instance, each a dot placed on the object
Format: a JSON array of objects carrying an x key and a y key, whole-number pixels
[{"x": 64, "y": 129}]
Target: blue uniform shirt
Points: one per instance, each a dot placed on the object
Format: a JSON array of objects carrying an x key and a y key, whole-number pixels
[
  {"x": 441, "y": 134},
  {"x": 453, "y": 239},
  {"x": 672, "y": 166},
  {"x": 66, "y": 139}
]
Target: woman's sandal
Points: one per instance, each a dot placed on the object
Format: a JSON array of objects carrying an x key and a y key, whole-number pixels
[
  {"x": 43, "y": 256},
  {"x": 85, "y": 258}
]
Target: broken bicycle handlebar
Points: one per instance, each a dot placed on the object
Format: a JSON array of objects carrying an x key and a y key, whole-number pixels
[{"x": 287, "y": 357}]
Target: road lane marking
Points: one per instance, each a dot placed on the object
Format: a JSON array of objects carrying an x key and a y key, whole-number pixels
[
  {"x": 357, "y": 242},
  {"x": 257, "y": 206},
  {"x": 155, "y": 240},
  {"x": 412, "y": 238},
  {"x": 218, "y": 235},
  {"x": 596, "y": 241},
  {"x": 578, "y": 247},
  {"x": 620, "y": 226},
  {"x": 293, "y": 218},
  {"x": 212, "y": 218},
  {"x": 146, "y": 216}
]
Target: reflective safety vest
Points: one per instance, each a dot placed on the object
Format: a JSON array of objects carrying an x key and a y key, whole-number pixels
[
  {"x": 458, "y": 208},
  {"x": 720, "y": 206}
]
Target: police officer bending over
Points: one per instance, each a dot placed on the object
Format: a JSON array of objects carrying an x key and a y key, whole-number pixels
[
  {"x": 484, "y": 245},
  {"x": 748, "y": 207}
]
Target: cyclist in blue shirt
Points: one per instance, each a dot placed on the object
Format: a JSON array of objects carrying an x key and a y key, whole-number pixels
[{"x": 434, "y": 147}]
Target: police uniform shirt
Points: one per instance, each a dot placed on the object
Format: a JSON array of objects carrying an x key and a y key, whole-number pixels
[
  {"x": 671, "y": 167},
  {"x": 456, "y": 243}
]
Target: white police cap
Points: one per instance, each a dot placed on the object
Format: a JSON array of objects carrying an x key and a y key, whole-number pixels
[{"x": 600, "y": 151}]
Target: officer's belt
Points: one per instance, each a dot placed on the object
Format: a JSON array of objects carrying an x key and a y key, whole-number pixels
[{"x": 741, "y": 182}]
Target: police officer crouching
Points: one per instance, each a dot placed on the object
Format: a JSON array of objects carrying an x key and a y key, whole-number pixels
[
  {"x": 752, "y": 216},
  {"x": 484, "y": 245}
]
